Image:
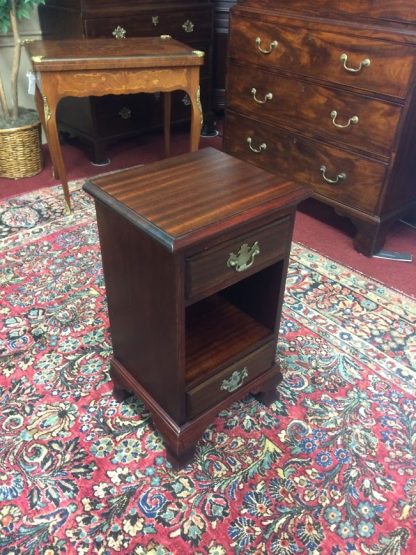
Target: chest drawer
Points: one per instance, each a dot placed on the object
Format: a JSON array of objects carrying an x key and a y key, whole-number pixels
[
  {"x": 228, "y": 262},
  {"x": 355, "y": 120},
  {"x": 182, "y": 26},
  {"x": 132, "y": 112},
  {"x": 347, "y": 178},
  {"x": 388, "y": 10},
  {"x": 333, "y": 57},
  {"x": 217, "y": 388}
]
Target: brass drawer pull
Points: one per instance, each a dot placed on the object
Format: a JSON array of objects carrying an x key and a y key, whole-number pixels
[
  {"x": 365, "y": 63},
  {"x": 340, "y": 177},
  {"x": 188, "y": 26},
  {"x": 186, "y": 100},
  {"x": 119, "y": 32},
  {"x": 155, "y": 20},
  {"x": 354, "y": 120},
  {"x": 125, "y": 113},
  {"x": 234, "y": 381},
  {"x": 261, "y": 147},
  {"x": 267, "y": 96},
  {"x": 272, "y": 46},
  {"x": 245, "y": 257}
]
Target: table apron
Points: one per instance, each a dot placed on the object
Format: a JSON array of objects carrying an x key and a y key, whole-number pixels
[{"x": 100, "y": 83}]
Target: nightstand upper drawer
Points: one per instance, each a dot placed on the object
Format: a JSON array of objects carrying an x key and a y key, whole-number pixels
[
  {"x": 351, "y": 119},
  {"x": 228, "y": 262},
  {"x": 351, "y": 60},
  {"x": 338, "y": 175}
]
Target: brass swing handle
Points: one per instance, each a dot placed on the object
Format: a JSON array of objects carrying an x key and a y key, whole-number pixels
[
  {"x": 119, "y": 32},
  {"x": 245, "y": 257},
  {"x": 351, "y": 121},
  {"x": 188, "y": 26},
  {"x": 234, "y": 381},
  {"x": 344, "y": 59},
  {"x": 272, "y": 46},
  {"x": 125, "y": 113},
  {"x": 340, "y": 177},
  {"x": 267, "y": 96},
  {"x": 261, "y": 147}
]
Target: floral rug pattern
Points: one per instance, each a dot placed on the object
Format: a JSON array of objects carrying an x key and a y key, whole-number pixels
[{"x": 330, "y": 468}]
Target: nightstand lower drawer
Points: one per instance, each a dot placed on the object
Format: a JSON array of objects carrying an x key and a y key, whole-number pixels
[{"x": 232, "y": 378}]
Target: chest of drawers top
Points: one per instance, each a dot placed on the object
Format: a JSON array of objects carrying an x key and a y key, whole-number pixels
[
  {"x": 87, "y": 5},
  {"x": 108, "y": 6},
  {"x": 189, "y": 21}
]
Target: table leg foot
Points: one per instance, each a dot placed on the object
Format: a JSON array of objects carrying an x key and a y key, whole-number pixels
[
  {"x": 120, "y": 394},
  {"x": 209, "y": 129},
  {"x": 67, "y": 196},
  {"x": 179, "y": 460},
  {"x": 267, "y": 392},
  {"x": 267, "y": 397}
]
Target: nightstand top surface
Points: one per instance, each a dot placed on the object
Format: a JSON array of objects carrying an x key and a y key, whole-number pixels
[{"x": 183, "y": 199}]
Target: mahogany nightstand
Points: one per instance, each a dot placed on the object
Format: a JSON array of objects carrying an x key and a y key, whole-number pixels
[{"x": 195, "y": 252}]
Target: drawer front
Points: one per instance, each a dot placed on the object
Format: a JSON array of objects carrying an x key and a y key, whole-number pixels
[
  {"x": 235, "y": 376},
  {"x": 354, "y": 120},
  {"x": 229, "y": 262},
  {"x": 182, "y": 26},
  {"x": 399, "y": 10},
  {"x": 121, "y": 114},
  {"x": 318, "y": 54},
  {"x": 301, "y": 159}
]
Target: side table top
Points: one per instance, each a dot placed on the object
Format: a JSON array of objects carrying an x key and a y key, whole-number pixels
[
  {"x": 186, "y": 198},
  {"x": 86, "y": 54}
]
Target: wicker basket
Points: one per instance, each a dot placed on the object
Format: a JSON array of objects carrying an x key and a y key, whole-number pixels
[{"x": 21, "y": 151}]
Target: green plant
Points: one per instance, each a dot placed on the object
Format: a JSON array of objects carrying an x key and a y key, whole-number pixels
[{"x": 11, "y": 12}]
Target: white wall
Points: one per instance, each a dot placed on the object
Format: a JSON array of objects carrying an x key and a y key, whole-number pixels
[{"x": 30, "y": 29}]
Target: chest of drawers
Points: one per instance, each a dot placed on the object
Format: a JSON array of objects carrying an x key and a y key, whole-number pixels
[
  {"x": 98, "y": 122},
  {"x": 324, "y": 93},
  {"x": 195, "y": 271}
]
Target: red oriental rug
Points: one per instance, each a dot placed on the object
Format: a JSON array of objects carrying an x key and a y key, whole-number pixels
[{"x": 328, "y": 469}]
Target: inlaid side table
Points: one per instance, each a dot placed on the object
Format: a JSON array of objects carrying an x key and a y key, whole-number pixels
[
  {"x": 97, "y": 67},
  {"x": 195, "y": 251}
]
